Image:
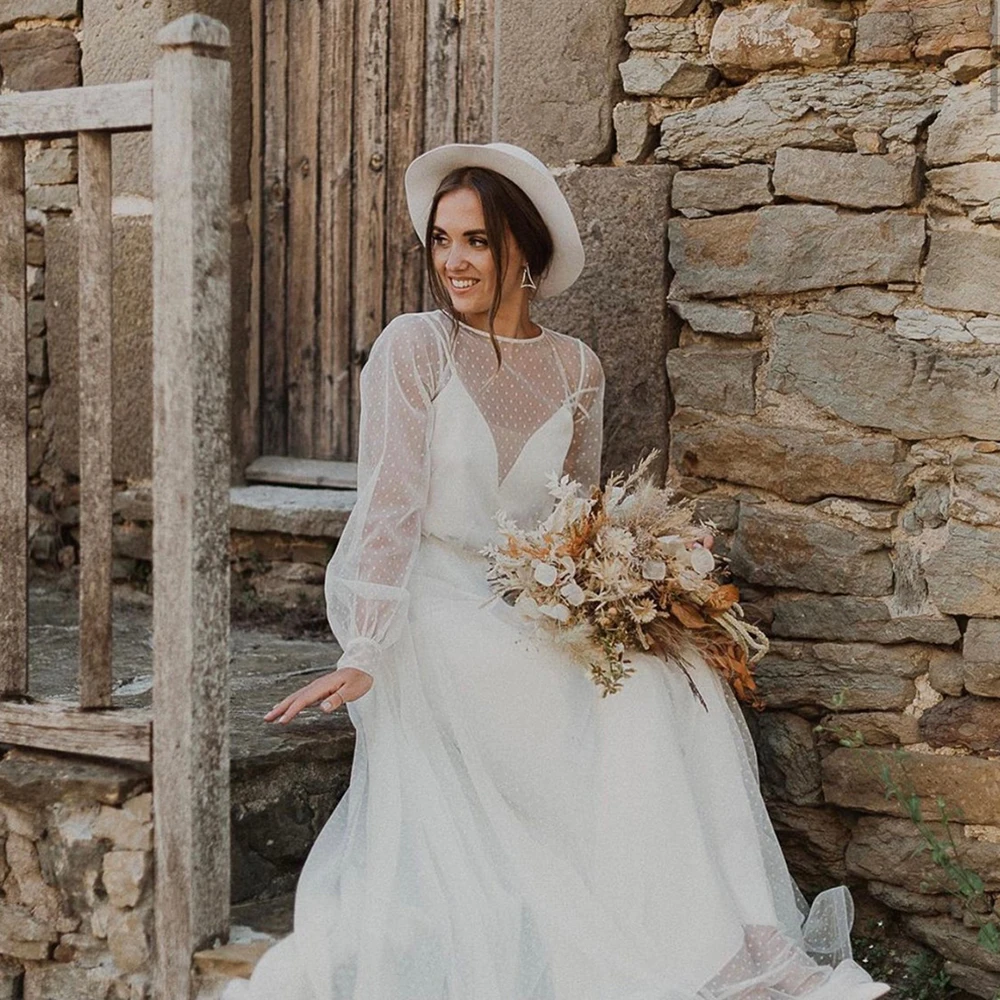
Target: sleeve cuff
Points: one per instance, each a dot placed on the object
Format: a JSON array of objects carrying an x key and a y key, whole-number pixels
[{"x": 363, "y": 653}]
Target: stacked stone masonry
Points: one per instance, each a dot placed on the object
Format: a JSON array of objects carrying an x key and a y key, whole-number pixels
[
  {"x": 834, "y": 249},
  {"x": 75, "y": 879}
]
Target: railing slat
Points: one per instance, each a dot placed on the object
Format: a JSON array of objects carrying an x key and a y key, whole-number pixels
[
  {"x": 95, "y": 418},
  {"x": 13, "y": 425},
  {"x": 124, "y": 734},
  {"x": 117, "y": 107},
  {"x": 191, "y": 331}
]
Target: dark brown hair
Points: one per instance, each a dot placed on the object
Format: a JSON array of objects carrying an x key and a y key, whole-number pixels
[{"x": 505, "y": 206}]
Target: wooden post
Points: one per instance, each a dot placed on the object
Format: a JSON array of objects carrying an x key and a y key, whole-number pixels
[
  {"x": 13, "y": 425},
  {"x": 95, "y": 418},
  {"x": 191, "y": 329}
]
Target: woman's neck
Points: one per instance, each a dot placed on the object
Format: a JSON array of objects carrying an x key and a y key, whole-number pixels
[{"x": 512, "y": 320}]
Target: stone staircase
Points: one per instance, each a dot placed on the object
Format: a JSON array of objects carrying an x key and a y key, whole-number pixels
[{"x": 285, "y": 780}]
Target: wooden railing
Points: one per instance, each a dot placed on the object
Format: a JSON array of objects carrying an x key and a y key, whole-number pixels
[{"x": 186, "y": 106}]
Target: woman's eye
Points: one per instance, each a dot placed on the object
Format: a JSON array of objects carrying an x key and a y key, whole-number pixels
[{"x": 478, "y": 241}]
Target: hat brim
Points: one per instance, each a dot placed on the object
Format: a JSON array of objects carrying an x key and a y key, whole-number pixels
[{"x": 425, "y": 173}]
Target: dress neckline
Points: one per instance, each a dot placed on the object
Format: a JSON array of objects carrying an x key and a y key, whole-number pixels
[{"x": 506, "y": 340}]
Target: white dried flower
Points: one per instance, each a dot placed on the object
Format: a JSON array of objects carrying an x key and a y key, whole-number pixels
[
  {"x": 702, "y": 561},
  {"x": 527, "y": 605},
  {"x": 643, "y": 611},
  {"x": 545, "y": 573},
  {"x": 654, "y": 569},
  {"x": 558, "y": 611},
  {"x": 573, "y": 593},
  {"x": 615, "y": 541}
]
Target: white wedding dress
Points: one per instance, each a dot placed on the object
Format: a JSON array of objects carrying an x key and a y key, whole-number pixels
[{"x": 509, "y": 833}]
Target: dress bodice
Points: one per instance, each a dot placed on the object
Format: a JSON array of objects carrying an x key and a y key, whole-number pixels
[
  {"x": 469, "y": 482},
  {"x": 447, "y": 439}
]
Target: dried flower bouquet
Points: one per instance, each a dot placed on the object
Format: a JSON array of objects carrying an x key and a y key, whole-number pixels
[{"x": 624, "y": 569}]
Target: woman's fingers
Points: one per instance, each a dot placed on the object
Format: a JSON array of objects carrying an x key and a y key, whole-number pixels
[{"x": 333, "y": 690}]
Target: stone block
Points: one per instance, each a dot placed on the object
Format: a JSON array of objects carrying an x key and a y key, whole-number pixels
[
  {"x": 847, "y": 677},
  {"x": 894, "y": 852},
  {"x": 125, "y": 875},
  {"x": 666, "y": 76},
  {"x": 54, "y": 165},
  {"x": 862, "y": 301},
  {"x": 790, "y": 248},
  {"x": 900, "y": 30},
  {"x": 58, "y": 981},
  {"x": 789, "y": 762},
  {"x": 663, "y": 36},
  {"x": 130, "y": 939},
  {"x": 845, "y": 618},
  {"x": 855, "y": 180},
  {"x": 776, "y": 34},
  {"x": 969, "y": 786},
  {"x": 706, "y": 378},
  {"x": 963, "y": 575},
  {"x": 981, "y": 657},
  {"x": 966, "y": 66},
  {"x": 953, "y": 940},
  {"x": 30, "y": 10},
  {"x": 124, "y": 829},
  {"x": 977, "y": 982},
  {"x": 724, "y": 321},
  {"x": 829, "y": 360},
  {"x": 633, "y": 131},
  {"x": 661, "y": 8},
  {"x": 622, "y": 215},
  {"x": 968, "y": 183},
  {"x": 871, "y": 728},
  {"x": 557, "y": 76},
  {"x": 970, "y": 722},
  {"x": 906, "y": 901},
  {"x": 132, "y": 392},
  {"x": 45, "y": 58},
  {"x": 776, "y": 546},
  {"x": 813, "y": 841},
  {"x": 966, "y": 129},
  {"x": 975, "y": 490},
  {"x": 947, "y": 672},
  {"x": 36, "y": 779},
  {"x": 821, "y": 109},
  {"x": 796, "y": 463},
  {"x": 52, "y": 197},
  {"x": 963, "y": 270},
  {"x": 722, "y": 189}
]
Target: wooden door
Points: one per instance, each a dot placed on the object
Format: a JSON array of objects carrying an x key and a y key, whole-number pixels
[{"x": 350, "y": 91}]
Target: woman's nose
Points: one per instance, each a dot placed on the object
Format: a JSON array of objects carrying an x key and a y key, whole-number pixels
[{"x": 455, "y": 259}]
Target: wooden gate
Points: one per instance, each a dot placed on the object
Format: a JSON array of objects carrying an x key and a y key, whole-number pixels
[{"x": 349, "y": 91}]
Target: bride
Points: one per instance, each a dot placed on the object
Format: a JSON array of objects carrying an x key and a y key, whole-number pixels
[{"x": 508, "y": 833}]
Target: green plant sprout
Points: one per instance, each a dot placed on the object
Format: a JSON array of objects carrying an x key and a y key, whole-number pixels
[{"x": 956, "y": 879}]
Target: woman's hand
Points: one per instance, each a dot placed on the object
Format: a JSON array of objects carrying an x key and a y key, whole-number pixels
[
  {"x": 333, "y": 689},
  {"x": 706, "y": 542}
]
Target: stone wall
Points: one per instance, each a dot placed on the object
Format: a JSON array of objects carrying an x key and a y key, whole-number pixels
[
  {"x": 75, "y": 879},
  {"x": 835, "y": 247}
]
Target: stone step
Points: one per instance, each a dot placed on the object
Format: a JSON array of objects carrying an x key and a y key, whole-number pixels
[
  {"x": 256, "y": 926},
  {"x": 303, "y": 472},
  {"x": 282, "y": 509},
  {"x": 285, "y": 779}
]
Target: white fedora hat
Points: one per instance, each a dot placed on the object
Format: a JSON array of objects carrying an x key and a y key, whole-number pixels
[{"x": 528, "y": 172}]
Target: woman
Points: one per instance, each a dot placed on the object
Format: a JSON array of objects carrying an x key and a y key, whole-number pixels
[{"x": 508, "y": 833}]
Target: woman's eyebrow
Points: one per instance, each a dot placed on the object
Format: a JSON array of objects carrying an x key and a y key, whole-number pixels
[{"x": 468, "y": 232}]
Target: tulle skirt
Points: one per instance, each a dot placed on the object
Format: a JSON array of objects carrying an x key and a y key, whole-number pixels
[{"x": 510, "y": 834}]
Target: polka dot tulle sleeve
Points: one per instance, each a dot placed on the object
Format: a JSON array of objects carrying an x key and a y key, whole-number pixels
[{"x": 366, "y": 578}]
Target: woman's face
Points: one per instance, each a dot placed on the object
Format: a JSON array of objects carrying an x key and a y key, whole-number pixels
[{"x": 462, "y": 256}]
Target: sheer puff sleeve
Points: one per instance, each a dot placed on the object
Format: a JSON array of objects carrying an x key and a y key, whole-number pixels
[
  {"x": 366, "y": 578},
  {"x": 583, "y": 460}
]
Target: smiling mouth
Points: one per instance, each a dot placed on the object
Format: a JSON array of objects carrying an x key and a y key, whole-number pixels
[{"x": 462, "y": 284}]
